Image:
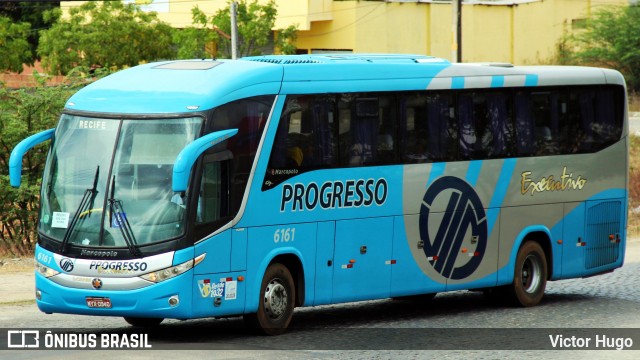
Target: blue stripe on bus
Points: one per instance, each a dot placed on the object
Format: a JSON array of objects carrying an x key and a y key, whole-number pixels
[
  {"x": 531, "y": 80},
  {"x": 500, "y": 193},
  {"x": 473, "y": 173},
  {"x": 497, "y": 81},
  {"x": 437, "y": 169},
  {"x": 457, "y": 82}
]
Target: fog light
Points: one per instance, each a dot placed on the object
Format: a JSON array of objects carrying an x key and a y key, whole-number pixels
[
  {"x": 38, "y": 294},
  {"x": 174, "y": 300}
]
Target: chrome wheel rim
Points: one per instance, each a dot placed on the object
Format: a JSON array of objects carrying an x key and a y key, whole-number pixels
[
  {"x": 275, "y": 299},
  {"x": 531, "y": 274}
]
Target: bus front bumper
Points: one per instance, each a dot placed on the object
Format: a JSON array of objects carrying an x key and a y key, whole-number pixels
[{"x": 168, "y": 299}]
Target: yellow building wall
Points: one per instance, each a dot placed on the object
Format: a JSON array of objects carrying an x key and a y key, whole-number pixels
[
  {"x": 524, "y": 33},
  {"x": 179, "y": 14},
  {"x": 339, "y": 33},
  {"x": 290, "y": 12},
  {"x": 486, "y": 33},
  {"x": 438, "y": 16},
  {"x": 301, "y": 13}
]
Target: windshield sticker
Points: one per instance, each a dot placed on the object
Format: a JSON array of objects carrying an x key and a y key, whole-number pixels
[
  {"x": 118, "y": 220},
  {"x": 60, "y": 220}
]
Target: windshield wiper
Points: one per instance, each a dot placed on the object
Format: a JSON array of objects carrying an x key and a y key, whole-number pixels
[
  {"x": 87, "y": 199},
  {"x": 116, "y": 209}
]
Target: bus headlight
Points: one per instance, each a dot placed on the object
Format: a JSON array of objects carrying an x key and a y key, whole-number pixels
[
  {"x": 45, "y": 270},
  {"x": 171, "y": 272}
]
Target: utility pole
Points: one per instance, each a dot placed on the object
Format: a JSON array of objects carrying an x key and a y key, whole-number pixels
[
  {"x": 234, "y": 30},
  {"x": 456, "y": 30},
  {"x": 459, "y": 30}
]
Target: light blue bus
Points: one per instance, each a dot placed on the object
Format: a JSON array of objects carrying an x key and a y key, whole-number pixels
[{"x": 211, "y": 188}]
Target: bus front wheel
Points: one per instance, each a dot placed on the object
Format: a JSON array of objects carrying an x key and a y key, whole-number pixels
[
  {"x": 530, "y": 277},
  {"x": 276, "y": 303}
]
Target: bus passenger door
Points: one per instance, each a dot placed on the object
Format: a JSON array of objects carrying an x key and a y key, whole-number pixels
[{"x": 361, "y": 262}]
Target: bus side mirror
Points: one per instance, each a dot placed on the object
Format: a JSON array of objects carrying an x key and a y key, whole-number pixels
[
  {"x": 190, "y": 153},
  {"x": 15, "y": 160}
]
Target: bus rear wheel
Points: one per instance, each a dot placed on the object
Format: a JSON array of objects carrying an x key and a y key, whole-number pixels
[
  {"x": 530, "y": 277},
  {"x": 143, "y": 322},
  {"x": 276, "y": 303}
]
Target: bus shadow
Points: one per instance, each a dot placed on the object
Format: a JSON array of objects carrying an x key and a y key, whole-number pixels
[{"x": 356, "y": 325}]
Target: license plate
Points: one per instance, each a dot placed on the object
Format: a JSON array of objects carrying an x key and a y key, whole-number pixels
[{"x": 94, "y": 302}]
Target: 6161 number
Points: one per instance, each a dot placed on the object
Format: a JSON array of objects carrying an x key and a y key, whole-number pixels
[{"x": 284, "y": 235}]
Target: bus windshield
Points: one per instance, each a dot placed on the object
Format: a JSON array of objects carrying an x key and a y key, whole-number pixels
[{"x": 114, "y": 174}]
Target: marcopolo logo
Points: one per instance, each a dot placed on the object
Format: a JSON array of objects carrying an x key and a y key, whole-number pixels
[
  {"x": 66, "y": 264},
  {"x": 464, "y": 214}
]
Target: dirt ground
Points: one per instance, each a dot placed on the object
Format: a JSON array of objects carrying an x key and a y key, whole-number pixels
[{"x": 16, "y": 265}]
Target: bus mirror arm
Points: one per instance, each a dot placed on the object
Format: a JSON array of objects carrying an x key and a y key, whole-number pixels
[
  {"x": 15, "y": 160},
  {"x": 189, "y": 155}
]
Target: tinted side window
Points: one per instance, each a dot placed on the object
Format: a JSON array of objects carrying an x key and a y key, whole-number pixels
[
  {"x": 595, "y": 117},
  {"x": 567, "y": 120},
  {"x": 367, "y": 129},
  {"x": 427, "y": 129},
  {"x": 236, "y": 154},
  {"x": 541, "y": 122},
  {"x": 305, "y": 139},
  {"x": 485, "y": 125}
]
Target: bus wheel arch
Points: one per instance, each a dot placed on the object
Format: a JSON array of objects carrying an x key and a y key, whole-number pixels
[
  {"x": 281, "y": 291},
  {"x": 513, "y": 291},
  {"x": 294, "y": 265},
  {"x": 276, "y": 301},
  {"x": 543, "y": 239}
]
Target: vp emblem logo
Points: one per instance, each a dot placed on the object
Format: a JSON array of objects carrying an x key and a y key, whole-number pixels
[
  {"x": 66, "y": 264},
  {"x": 464, "y": 222}
]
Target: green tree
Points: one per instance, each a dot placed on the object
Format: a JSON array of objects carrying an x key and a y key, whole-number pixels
[
  {"x": 24, "y": 112},
  {"x": 14, "y": 47},
  {"x": 29, "y": 12},
  {"x": 104, "y": 34},
  {"x": 611, "y": 39},
  {"x": 192, "y": 41},
  {"x": 255, "y": 31}
]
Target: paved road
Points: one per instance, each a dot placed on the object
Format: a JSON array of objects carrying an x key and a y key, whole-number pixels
[{"x": 607, "y": 301}]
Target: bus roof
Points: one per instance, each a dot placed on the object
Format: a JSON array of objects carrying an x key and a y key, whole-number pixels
[{"x": 182, "y": 86}]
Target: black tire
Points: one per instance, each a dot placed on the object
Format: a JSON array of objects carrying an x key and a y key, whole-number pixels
[
  {"x": 277, "y": 299},
  {"x": 143, "y": 322},
  {"x": 530, "y": 277}
]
